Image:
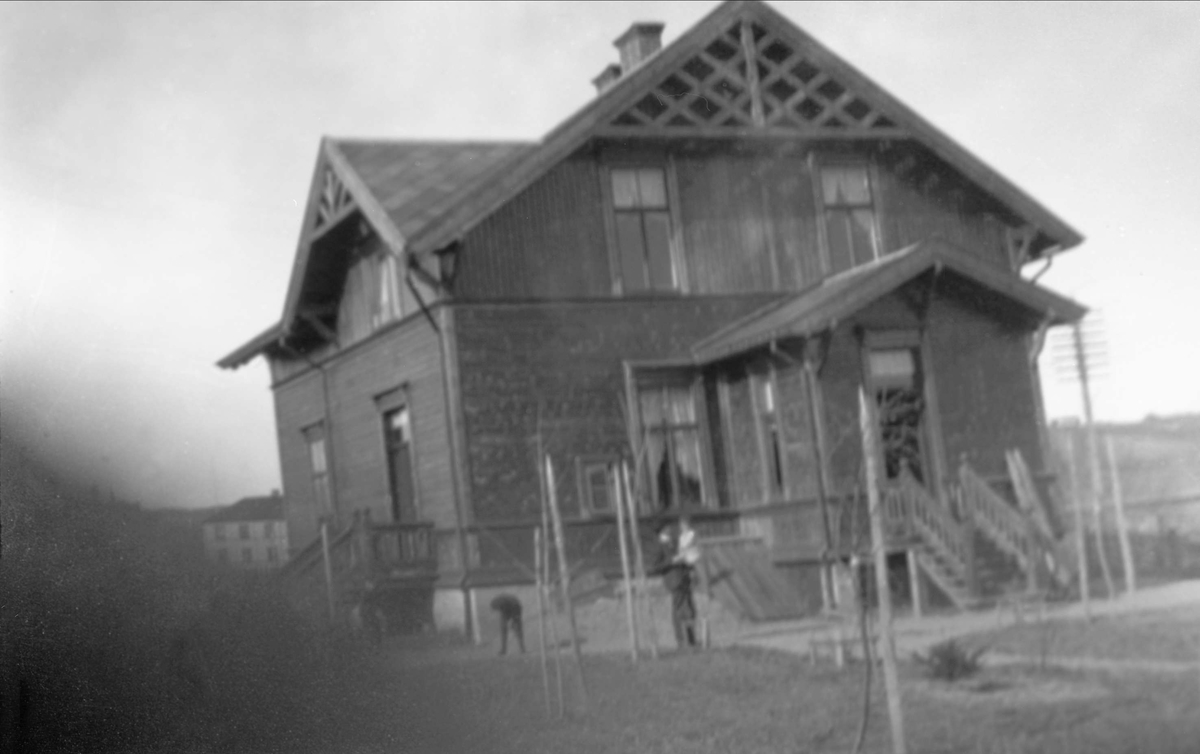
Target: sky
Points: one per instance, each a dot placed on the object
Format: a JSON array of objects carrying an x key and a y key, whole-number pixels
[{"x": 155, "y": 158}]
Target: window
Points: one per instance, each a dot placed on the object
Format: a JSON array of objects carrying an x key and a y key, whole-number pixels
[
  {"x": 643, "y": 229},
  {"x": 218, "y": 532},
  {"x": 850, "y": 234},
  {"x": 244, "y": 531},
  {"x": 596, "y": 486},
  {"x": 765, "y": 405},
  {"x": 397, "y": 430},
  {"x": 247, "y": 555},
  {"x": 222, "y": 556},
  {"x": 672, "y": 436},
  {"x": 386, "y": 304},
  {"x": 272, "y": 555},
  {"x": 318, "y": 467}
]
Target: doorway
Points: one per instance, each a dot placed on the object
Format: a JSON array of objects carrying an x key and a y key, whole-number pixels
[
  {"x": 397, "y": 429},
  {"x": 897, "y": 384}
]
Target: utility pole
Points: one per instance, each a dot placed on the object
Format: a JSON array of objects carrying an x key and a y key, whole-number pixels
[{"x": 1081, "y": 359}]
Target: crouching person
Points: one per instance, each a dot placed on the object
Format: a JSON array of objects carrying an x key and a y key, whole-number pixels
[{"x": 509, "y": 609}]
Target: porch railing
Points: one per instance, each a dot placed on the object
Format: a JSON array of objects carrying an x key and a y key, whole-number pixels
[
  {"x": 401, "y": 549},
  {"x": 911, "y": 510},
  {"x": 999, "y": 520}
]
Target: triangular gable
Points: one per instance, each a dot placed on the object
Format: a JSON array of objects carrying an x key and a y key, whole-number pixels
[
  {"x": 701, "y": 85},
  {"x": 839, "y": 297},
  {"x": 397, "y": 186}
]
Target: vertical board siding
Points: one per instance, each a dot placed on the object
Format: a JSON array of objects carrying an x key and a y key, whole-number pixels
[
  {"x": 985, "y": 390},
  {"x": 747, "y": 473},
  {"x": 567, "y": 359},
  {"x": 547, "y": 242},
  {"x": 910, "y": 214},
  {"x": 800, "y": 456},
  {"x": 725, "y": 224}
]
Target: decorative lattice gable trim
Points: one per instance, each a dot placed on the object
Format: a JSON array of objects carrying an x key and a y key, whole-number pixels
[{"x": 785, "y": 89}]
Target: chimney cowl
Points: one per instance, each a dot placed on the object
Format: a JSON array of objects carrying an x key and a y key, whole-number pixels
[
  {"x": 638, "y": 43},
  {"x": 609, "y": 76}
]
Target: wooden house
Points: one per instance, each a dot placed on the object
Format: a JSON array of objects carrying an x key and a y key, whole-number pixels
[{"x": 696, "y": 272}]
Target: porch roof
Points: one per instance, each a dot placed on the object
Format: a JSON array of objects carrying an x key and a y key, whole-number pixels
[{"x": 837, "y": 297}]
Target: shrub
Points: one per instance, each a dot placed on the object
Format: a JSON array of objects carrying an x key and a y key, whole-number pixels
[{"x": 949, "y": 661}]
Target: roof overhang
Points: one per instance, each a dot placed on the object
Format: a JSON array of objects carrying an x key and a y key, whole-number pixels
[
  {"x": 841, "y": 296},
  {"x": 243, "y": 354}
]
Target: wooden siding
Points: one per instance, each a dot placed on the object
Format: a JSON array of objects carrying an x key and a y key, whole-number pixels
[
  {"x": 567, "y": 358},
  {"x": 745, "y": 462},
  {"x": 407, "y": 356},
  {"x": 298, "y": 404},
  {"x": 548, "y": 242},
  {"x": 748, "y": 222},
  {"x": 923, "y": 203},
  {"x": 799, "y": 449},
  {"x": 985, "y": 386}
]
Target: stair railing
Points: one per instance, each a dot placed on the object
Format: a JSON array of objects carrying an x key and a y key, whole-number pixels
[
  {"x": 935, "y": 526},
  {"x": 999, "y": 520}
]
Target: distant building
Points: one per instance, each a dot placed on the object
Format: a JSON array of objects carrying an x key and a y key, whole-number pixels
[{"x": 251, "y": 533}]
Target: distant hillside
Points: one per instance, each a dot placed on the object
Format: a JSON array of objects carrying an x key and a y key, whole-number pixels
[{"x": 1158, "y": 458}]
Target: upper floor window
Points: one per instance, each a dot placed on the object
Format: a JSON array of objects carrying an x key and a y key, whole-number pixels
[
  {"x": 768, "y": 426},
  {"x": 386, "y": 304},
  {"x": 850, "y": 232},
  {"x": 642, "y": 220},
  {"x": 671, "y": 431}
]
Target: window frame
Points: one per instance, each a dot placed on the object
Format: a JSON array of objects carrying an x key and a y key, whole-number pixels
[
  {"x": 708, "y": 498},
  {"x": 319, "y": 479},
  {"x": 387, "y": 402},
  {"x": 776, "y": 482},
  {"x": 818, "y": 166},
  {"x": 674, "y": 240},
  {"x": 585, "y": 466}
]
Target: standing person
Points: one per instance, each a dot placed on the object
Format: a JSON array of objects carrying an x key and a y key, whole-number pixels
[
  {"x": 509, "y": 608},
  {"x": 676, "y": 574}
]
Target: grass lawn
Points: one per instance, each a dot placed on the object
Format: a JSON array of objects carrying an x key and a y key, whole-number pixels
[
  {"x": 1161, "y": 635},
  {"x": 740, "y": 700}
]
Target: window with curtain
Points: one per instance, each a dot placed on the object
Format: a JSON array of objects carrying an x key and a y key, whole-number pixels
[{"x": 671, "y": 431}]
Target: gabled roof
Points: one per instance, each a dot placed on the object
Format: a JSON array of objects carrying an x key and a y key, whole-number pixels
[
  {"x": 840, "y": 296},
  {"x": 884, "y": 116},
  {"x": 421, "y": 196},
  {"x": 266, "y": 508}
]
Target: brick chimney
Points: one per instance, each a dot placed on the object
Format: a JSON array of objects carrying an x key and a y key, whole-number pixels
[
  {"x": 609, "y": 76},
  {"x": 642, "y": 40}
]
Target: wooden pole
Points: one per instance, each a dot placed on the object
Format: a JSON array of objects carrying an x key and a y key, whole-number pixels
[
  {"x": 1122, "y": 526},
  {"x": 564, "y": 572},
  {"x": 544, "y": 573},
  {"x": 1093, "y": 458},
  {"x": 891, "y": 680},
  {"x": 328, "y": 570},
  {"x": 615, "y": 477},
  {"x": 1080, "y": 529},
  {"x": 639, "y": 561},
  {"x": 541, "y": 606}
]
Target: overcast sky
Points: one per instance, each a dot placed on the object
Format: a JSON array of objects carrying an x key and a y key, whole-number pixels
[{"x": 154, "y": 159}]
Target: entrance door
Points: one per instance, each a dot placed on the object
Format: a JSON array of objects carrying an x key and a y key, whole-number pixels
[
  {"x": 398, "y": 433},
  {"x": 896, "y": 381}
]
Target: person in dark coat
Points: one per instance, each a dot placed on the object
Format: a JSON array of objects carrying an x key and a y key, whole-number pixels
[
  {"x": 677, "y": 578},
  {"x": 509, "y": 608}
]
